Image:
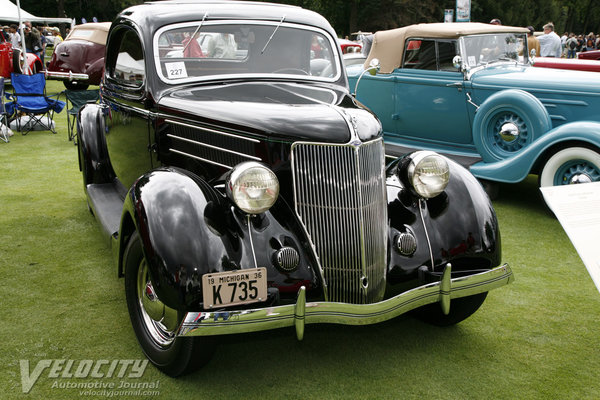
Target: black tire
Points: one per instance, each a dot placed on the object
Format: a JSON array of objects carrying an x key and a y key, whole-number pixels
[
  {"x": 460, "y": 309},
  {"x": 492, "y": 189},
  {"x": 74, "y": 85},
  {"x": 172, "y": 355},
  {"x": 17, "y": 65}
]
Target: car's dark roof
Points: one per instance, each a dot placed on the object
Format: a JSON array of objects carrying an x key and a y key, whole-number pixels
[{"x": 152, "y": 15}]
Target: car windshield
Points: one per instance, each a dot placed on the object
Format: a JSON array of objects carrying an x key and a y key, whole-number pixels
[
  {"x": 202, "y": 50},
  {"x": 486, "y": 49}
]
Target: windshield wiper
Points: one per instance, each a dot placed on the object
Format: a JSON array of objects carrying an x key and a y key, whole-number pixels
[
  {"x": 196, "y": 31},
  {"x": 272, "y": 34}
]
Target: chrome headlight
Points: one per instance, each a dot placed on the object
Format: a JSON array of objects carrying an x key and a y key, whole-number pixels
[
  {"x": 252, "y": 187},
  {"x": 428, "y": 173}
]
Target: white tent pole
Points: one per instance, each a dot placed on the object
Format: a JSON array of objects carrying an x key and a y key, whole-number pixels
[{"x": 23, "y": 48}]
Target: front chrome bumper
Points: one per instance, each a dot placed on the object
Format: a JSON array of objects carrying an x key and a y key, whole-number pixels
[
  {"x": 228, "y": 322},
  {"x": 65, "y": 75}
]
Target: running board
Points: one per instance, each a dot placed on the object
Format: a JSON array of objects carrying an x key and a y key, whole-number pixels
[{"x": 106, "y": 203}]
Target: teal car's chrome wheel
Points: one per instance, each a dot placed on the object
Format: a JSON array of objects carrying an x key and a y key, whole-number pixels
[
  {"x": 571, "y": 166},
  {"x": 508, "y": 134},
  {"x": 576, "y": 171},
  {"x": 507, "y": 122}
]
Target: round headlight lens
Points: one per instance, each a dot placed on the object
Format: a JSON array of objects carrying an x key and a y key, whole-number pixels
[
  {"x": 252, "y": 187},
  {"x": 428, "y": 173}
]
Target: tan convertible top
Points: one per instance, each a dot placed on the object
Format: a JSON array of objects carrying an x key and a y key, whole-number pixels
[
  {"x": 95, "y": 32},
  {"x": 388, "y": 46}
]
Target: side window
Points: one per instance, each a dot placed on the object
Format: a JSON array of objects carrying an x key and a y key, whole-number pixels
[
  {"x": 446, "y": 53},
  {"x": 420, "y": 54},
  {"x": 430, "y": 54},
  {"x": 126, "y": 62}
]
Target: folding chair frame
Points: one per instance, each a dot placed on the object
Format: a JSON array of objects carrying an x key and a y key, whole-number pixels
[
  {"x": 71, "y": 119},
  {"x": 3, "y": 114},
  {"x": 35, "y": 117}
]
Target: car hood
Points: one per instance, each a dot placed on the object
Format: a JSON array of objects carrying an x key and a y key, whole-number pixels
[
  {"x": 531, "y": 79},
  {"x": 285, "y": 111}
]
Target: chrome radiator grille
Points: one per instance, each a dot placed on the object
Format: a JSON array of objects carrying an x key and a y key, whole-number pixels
[{"x": 341, "y": 199}]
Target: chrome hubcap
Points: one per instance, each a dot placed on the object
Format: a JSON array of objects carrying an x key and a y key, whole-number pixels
[
  {"x": 509, "y": 132},
  {"x": 580, "y": 178},
  {"x": 160, "y": 320}
]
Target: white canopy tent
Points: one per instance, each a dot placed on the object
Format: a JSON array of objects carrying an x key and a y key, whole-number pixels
[{"x": 10, "y": 13}]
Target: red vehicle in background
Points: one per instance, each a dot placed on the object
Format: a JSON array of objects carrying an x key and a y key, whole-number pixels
[
  {"x": 79, "y": 59},
  {"x": 589, "y": 55},
  {"x": 11, "y": 60},
  {"x": 569, "y": 63},
  {"x": 349, "y": 46}
]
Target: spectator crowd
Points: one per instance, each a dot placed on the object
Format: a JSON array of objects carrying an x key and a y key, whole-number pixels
[{"x": 573, "y": 44}]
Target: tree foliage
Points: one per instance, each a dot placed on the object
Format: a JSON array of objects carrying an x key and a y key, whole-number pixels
[{"x": 347, "y": 16}]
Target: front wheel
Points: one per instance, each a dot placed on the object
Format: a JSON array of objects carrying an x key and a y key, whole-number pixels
[
  {"x": 155, "y": 324},
  {"x": 460, "y": 309},
  {"x": 18, "y": 61},
  {"x": 571, "y": 165}
]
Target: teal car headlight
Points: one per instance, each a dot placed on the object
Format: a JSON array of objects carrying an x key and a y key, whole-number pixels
[
  {"x": 428, "y": 173},
  {"x": 253, "y": 187}
]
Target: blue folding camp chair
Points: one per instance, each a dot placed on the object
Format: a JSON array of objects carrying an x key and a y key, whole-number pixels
[
  {"x": 29, "y": 98},
  {"x": 75, "y": 100}
]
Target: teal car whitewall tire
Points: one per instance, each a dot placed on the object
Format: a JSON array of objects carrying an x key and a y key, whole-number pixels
[{"x": 571, "y": 165}]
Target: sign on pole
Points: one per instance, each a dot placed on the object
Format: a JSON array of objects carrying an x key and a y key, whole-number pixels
[
  {"x": 448, "y": 15},
  {"x": 463, "y": 10}
]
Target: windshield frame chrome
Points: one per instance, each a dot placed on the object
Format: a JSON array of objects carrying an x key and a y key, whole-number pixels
[{"x": 469, "y": 71}]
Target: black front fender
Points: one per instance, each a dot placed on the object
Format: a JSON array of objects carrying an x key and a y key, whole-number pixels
[
  {"x": 189, "y": 229},
  {"x": 460, "y": 224}
]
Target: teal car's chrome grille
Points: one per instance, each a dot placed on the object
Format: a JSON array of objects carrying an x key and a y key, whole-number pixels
[{"x": 341, "y": 199}]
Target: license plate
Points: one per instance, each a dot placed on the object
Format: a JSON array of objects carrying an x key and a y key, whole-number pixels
[{"x": 224, "y": 289}]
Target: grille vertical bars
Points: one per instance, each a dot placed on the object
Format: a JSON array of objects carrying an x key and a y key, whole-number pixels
[{"x": 341, "y": 199}]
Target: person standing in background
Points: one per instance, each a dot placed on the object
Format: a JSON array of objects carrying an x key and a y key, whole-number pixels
[
  {"x": 572, "y": 46},
  {"x": 15, "y": 38},
  {"x": 550, "y": 42},
  {"x": 532, "y": 42}
]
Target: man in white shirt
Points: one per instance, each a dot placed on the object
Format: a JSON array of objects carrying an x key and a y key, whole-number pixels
[
  {"x": 15, "y": 38},
  {"x": 550, "y": 45}
]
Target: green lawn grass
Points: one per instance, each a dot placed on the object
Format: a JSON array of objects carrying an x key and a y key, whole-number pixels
[{"x": 60, "y": 298}]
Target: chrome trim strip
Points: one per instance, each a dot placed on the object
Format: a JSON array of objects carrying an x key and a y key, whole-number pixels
[
  {"x": 213, "y": 147},
  {"x": 240, "y": 321},
  {"x": 200, "y": 158},
  {"x": 251, "y": 242},
  {"x": 201, "y": 128},
  {"x": 422, "y": 206}
]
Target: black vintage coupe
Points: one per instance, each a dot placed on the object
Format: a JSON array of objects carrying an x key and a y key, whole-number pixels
[{"x": 243, "y": 188}]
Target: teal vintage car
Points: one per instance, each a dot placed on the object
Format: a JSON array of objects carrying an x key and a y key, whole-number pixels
[{"x": 469, "y": 90}]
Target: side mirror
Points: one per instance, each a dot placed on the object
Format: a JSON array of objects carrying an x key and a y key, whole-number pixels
[
  {"x": 374, "y": 67},
  {"x": 532, "y": 56},
  {"x": 457, "y": 62}
]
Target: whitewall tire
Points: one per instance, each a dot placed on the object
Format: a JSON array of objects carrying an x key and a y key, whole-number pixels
[{"x": 571, "y": 165}]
